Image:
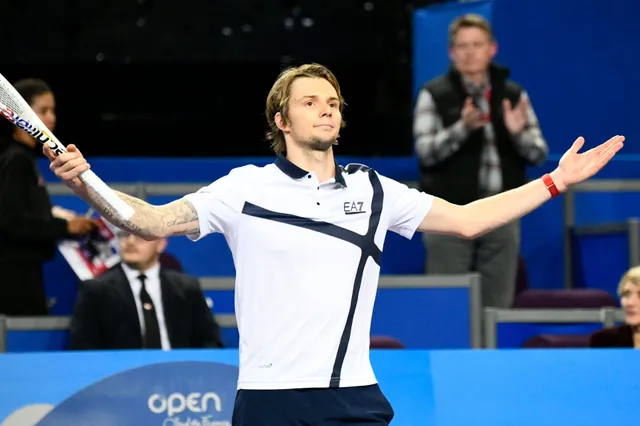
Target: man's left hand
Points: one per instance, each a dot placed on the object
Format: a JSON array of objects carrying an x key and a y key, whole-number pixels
[{"x": 575, "y": 168}]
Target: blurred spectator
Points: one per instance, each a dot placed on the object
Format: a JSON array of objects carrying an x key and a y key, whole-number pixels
[
  {"x": 475, "y": 133},
  {"x": 138, "y": 304},
  {"x": 627, "y": 335},
  {"x": 29, "y": 225}
]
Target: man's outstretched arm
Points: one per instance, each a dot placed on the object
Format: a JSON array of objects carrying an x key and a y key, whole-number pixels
[
  {"x": 485, "y": 215},
  {"x": 148, "y": 221}
]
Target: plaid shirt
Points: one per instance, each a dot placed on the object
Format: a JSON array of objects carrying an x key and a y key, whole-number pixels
[{"x": 435, "y": 143}]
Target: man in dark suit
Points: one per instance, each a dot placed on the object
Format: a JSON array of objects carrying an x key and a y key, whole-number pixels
[{"x": 137, "y": 304}]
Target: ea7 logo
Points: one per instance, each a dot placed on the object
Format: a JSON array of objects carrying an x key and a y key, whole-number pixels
[{"x": 354, "y": 207}]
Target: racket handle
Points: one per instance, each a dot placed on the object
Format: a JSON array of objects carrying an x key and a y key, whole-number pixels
[{"x": 124, "y": 210}]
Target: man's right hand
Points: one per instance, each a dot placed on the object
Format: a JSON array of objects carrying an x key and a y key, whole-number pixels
[
  {"x": 472, "y": 118},
  {"x": 67, "y": 166},
  {"x": 80, "y": 225}
]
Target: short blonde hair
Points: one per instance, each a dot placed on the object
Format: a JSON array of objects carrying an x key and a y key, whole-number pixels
[
  {"x": 470, "y": 20},
  {"x": 632, "y": 275},
  {"x": 280, "y": 94}
]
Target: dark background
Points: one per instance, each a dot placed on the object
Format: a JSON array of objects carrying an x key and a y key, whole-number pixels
[{"x": 190, "y": 77}]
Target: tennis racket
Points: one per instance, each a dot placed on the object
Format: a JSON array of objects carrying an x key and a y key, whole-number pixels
[{"x": 14, "y": 108}]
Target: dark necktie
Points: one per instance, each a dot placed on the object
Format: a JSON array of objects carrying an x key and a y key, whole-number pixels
[{"x": 151, "y": 338}]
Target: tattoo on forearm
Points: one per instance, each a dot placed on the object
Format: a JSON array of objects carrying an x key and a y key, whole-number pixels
[
  {"x": 192, "y": 230},
  {"x": 185, "y": 214},
  {"x": 176, "y": 218}
]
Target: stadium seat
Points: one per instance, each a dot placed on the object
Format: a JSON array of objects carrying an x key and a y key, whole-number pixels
[
  {"x": 558, "y": 341},
  {"x": 385, "y": 342},
  {"x": 576, "y": 299}
]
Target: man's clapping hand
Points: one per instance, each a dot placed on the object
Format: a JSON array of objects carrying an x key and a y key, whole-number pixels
[{"x": 472, "y": 117}]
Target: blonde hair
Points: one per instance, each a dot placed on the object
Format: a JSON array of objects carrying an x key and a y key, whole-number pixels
[
  {"x": 280, "y": 94},
  {"x": 632, "y": 275},
  {"x": 470, "y": 20}
]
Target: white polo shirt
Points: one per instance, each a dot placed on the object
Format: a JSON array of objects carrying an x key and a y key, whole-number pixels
[{"x": 307, "y": 259}]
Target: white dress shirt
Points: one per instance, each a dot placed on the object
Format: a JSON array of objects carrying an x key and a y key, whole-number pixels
[{"x": 152, "y": 284}]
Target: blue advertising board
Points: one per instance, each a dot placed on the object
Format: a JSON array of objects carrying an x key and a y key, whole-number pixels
[{"x": 436, "y": 388}]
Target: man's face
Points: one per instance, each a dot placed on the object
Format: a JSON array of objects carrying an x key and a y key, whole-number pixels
[
  {"x": 45, "y": 107},
  {"x": 472, "y": 51},
  {"x": 138, "y": 253},
  {"x": 314, "y": 115},
  {"x": 630, "y": 301}
]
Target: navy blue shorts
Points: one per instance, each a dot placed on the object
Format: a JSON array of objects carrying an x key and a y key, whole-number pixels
[{"x": 356, "y": 406}]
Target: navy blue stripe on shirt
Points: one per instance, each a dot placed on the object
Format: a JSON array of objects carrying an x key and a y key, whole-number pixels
[
  {"x": 374, "y": 221},
  {"x": 315, "y": 225}
]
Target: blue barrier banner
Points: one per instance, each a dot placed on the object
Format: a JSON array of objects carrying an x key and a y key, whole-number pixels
[
  {"x": 420, "y": 318},
  {"x": 44, "y": 341},
  {"x": 37, "y": 341},
  {"x": 424, "y": 318},
  {"x": 120, "y": 388},
  {"x": 438, "y": 388}
]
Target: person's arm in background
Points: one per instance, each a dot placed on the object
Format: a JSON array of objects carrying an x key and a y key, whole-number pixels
[
  {"x": 14, "y": 218},
  {"x": 62, "y": 213},
  {"x": 522, "y": 123},
  {"x": 435, "y": 143}
]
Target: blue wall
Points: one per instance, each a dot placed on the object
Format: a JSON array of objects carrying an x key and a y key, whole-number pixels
[
  {"x": 574, "y": 56},
  {"x": 438, "y": 388}
]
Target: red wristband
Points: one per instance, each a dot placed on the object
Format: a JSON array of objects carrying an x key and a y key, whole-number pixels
[{"x": 551, "y": 185}]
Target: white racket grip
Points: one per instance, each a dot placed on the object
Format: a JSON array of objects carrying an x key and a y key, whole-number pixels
[{"x": 124, "y": 210}]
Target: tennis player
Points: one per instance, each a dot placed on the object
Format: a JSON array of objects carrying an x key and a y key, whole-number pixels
[{"x": 306, "y": 236}]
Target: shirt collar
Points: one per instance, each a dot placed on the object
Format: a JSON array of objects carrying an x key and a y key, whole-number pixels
[
  {"x": 295, "y": 172},
  {"x": 133, "y": 274}
]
